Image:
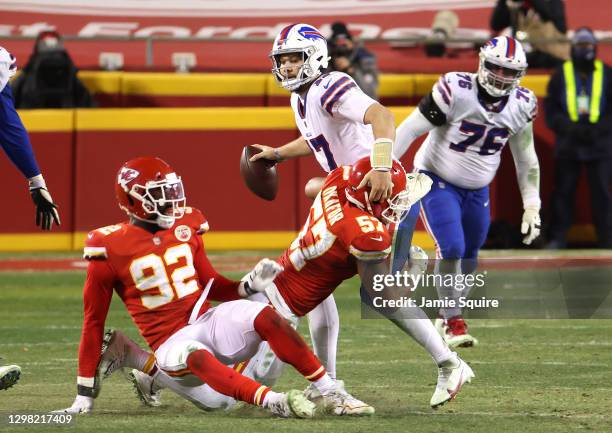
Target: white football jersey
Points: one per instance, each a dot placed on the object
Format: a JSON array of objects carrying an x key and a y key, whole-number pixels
[
  {"x": 330, "y": 118},
  {"x": 466, "y": 150}
]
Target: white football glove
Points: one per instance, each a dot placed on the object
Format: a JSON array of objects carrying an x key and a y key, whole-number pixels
[
  {"x": 418, "y": 185},
  {"x": 259, "y": 278},
  {"x": 530, "y": 225},
  {"x": 81, "y": 405}
]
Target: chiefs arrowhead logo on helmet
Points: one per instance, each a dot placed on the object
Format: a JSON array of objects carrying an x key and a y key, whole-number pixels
[{"x": 126, "y": 175}]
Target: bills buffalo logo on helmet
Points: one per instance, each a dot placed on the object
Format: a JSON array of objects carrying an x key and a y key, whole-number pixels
[{"x": 310, "y": 33}]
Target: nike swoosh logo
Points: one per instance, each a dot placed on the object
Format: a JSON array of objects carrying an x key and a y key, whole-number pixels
[
  {"x": 486, "y": 203},
  {"x": 378, "y": 239},
  {"x": 327, "y": 85},
  {"x": 89, "y": 235}
]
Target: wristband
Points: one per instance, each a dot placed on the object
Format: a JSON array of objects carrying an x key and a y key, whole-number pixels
[
  {"x": 36, "y": 182},
  {"x": 381, "y": 157}
]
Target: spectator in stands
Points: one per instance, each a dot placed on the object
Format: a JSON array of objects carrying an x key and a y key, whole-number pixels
[
  {"x": 349, "y": 56},
  {"x": 579, "y": 109},
  {"x": 49, "y": 79},
  {"x": 535, "y": 20}
]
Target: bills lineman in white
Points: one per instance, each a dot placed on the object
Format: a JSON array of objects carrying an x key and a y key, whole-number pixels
[{"x": 469, "y": 119}]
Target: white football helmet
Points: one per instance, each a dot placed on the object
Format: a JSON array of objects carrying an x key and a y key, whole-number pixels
[
  {"x": 502, "y": 65},
  {"x": 304, "y": 39}
]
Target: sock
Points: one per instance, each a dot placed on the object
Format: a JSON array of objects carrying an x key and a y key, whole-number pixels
[
  {"x": 138, "y": 358},
  {"x": 325, "y": 384},
  {"x": 272, "y": 397},
  {"x": 287, "y": 344},
  {"x": 203, "y": 396},
  {"x": 424, "y": 333},
  {"x": 224, "y": 379},
  {"x": 443, "y": 268},
  {"x": 324, "y": 326}
]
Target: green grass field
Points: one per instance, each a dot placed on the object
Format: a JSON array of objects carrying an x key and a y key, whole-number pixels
[{"x": 531, "y": 375}]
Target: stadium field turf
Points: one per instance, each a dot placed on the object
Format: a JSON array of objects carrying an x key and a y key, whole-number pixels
[{"x": 531, "y": 375}]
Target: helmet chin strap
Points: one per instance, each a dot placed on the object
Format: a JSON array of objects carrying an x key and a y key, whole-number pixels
[{"x": 486, "y": 96}]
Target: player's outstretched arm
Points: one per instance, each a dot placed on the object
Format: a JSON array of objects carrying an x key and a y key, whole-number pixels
[
  {"x": 293, "y": 149},
  {"x": 411, "y": 128},
  {"x": 260, "y": 277},
  {"x": 16, "y": 144},
  {"x": 528, "y": 176},
  {"x": 97, "y": 295}
]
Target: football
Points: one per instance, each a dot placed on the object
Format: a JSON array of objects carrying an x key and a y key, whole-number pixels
[{"x": 259, "y": 176}]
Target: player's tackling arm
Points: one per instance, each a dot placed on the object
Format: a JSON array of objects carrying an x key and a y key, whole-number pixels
[
  {"x": 293, "y": 149},
  {"x": 528, "y": 176}
]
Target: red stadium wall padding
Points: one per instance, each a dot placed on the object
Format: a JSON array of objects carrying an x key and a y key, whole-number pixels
[
  {"x": 208, "y": 162},
  {"x": 55, "y": 155}
]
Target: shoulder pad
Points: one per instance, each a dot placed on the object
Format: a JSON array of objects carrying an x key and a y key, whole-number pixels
[
  {"x": 528, "y": 102},
  {"x": 365, "y": 237},
  {"x": 195, "y": 219},
  {"x": 96, "y": 242},
  {"x": 334, "y": 88}
]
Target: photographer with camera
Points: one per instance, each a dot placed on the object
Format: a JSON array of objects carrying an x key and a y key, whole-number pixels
[{"x": 352, "y": 58}]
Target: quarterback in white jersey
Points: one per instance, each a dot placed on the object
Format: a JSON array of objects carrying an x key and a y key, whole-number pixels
[
  {"x": 470, "y": 118},
  {"x": 338, "y": 122}
]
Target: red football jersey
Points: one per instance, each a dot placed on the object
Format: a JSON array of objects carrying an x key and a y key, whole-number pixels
[
  {"x": 159, "y": 277},
  {"x": 325, "y": 253}
]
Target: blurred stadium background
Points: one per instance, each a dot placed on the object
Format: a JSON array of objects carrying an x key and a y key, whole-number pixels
[
  {"x": 533, "y": 375},
  {"x": 200, "y": 121}
]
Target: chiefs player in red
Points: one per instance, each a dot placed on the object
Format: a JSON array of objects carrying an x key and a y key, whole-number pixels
[
  {"x": 157, "y": 265},
  {"x": 344, "y": 235},
  {"x": 347, "y": 234}
]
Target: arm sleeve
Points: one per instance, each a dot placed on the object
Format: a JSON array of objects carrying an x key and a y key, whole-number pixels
[
  {"x": 222, "y": 289},
  {"x": 527, "y": 166},
  {"x": 373, "y": 246},
  {"x": 412, "y": 127},
  {"x": 97, "y": 295},
  {"x": 14, "y": 138}
]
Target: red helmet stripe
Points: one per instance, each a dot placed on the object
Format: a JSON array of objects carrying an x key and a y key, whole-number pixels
[
  {"x": 510, "y": 47},
  {"x": 284, "y": 33}
]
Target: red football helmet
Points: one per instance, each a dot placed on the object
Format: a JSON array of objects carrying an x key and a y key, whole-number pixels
[
  {"x": 148, "y": 189},
  {"x": 390, "y": 211}
]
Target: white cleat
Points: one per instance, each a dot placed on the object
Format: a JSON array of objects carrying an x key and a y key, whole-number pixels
[
  {"x": 9, "y": 376},
  {"x": 340, "y": 402},
  {"x": 116, "y": 347},
  {"x": 293, "y": 405},
  {"x": 452, "y": 374},
  {"x": 143, "y": 386}
]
